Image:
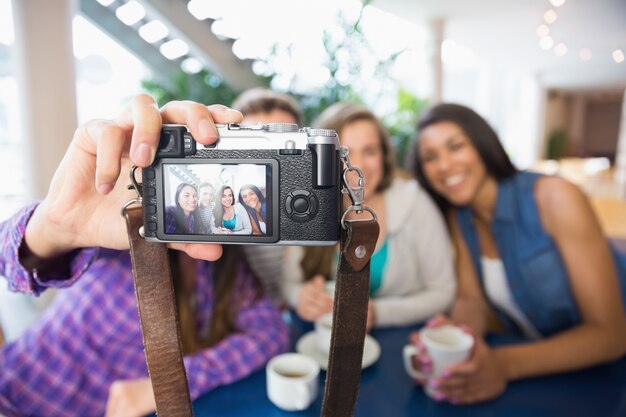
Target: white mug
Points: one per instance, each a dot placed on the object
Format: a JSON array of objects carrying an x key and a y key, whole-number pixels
[
  {"x": 323, "y": 329},
  {"x": 446, "y": 345},
  {"x": 292, "y": 381}
]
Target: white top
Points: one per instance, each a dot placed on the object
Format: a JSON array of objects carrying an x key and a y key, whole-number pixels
[
  {"x": 242, "y": 223},
  {"x": 499, "y": 292},
  {"x": 418, "y": 280}
]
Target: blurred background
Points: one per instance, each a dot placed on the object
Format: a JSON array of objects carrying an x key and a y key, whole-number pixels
[{"x": 549, "y": 75}]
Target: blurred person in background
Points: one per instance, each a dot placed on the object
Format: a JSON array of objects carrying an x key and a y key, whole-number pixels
[
  {"x": 530, "y": 257},
  {"x": 412, "y": 277},
  {"x": 262, "y": 105}
]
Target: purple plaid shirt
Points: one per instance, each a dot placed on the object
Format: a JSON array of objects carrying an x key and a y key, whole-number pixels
[{"x": 91, "y": 335}]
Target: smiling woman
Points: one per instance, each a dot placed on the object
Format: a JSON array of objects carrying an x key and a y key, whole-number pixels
[{"x": 529, "y": 249}]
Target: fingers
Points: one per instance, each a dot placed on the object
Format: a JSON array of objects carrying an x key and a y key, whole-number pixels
[
  {"x": 438, "y": 320},
  {"x": 206, "y": 251},
  {"x": 199, "y": 119},
  {"x": 142, "y": 117},
  {"x": 110, "y": 145},
  {"x": 223, "y": 114},
  {"x": 422, "y": 362},
  {"x": 414, "y": 338},
  {"x": 313, "y": 301}
]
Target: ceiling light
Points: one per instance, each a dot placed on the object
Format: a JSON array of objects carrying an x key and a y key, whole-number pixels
[
  {"x": 557, "y": 3},
  {"x": 153, "y": 31},
  {"x": 618, "y": 56},
  {"x": 106, "y": 3},
  {"x": 585, "y": 54},
  {"x": 560, "y": 49},
  {"x": 543, "y": 30},
  {"x": 550, "y": 16},
  {"x": 224, "y": 29},
  {"x": 202, "y": 9},
  {"x": 130, "y": 13},
  {"x": 191, "y": 65},
  {"x": 546, "y": 42},
  {"x": 174, "y": 49}
]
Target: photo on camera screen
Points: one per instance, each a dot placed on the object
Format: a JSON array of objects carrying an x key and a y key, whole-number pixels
[{"x": 217, "y": 199}]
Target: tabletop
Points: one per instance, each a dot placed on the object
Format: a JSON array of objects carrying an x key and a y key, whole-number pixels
[{"x": 386, "y": 390}]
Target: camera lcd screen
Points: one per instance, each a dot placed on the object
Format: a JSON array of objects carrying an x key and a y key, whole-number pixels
[{"x": 218, "y": 199}]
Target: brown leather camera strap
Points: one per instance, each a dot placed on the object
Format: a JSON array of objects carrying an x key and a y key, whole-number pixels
[
  {"x": 159, "y": 320},
  {"x": 357, "y": 245}
]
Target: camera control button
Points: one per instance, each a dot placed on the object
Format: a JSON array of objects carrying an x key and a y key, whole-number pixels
[
  {"x": 150, "y": 191},
  {"x": 300, "y": 204},
  {"x": 148, "y": 173},
  {"x": 152, "y": 226},
  {"x": 151, "y": 209}
]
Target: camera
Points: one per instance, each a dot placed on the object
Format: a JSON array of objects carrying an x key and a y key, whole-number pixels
[{"x": 261, "y": 184}]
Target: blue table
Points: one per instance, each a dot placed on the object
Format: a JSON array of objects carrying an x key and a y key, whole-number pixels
[{"x": 386, "y": 390}]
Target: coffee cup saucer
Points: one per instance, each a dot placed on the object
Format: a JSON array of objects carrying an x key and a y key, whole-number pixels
[{"x": 307, "y": 346}]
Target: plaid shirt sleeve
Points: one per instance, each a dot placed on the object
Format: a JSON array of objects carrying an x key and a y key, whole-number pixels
[
  {"x": 21, "y": 280},
  {"x": 262, "y": 334}
]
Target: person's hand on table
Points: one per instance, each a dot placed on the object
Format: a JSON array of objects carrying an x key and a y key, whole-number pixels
[
  {"x": 313, "y": 300},
  {"x": 480, "y": 378},
  {"x": 82, "y": 207},
  {"x": 130, "y": 398},
  {"x": 421, "y": 361}
]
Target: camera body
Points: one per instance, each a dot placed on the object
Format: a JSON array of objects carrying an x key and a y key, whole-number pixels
[{"x": 261, "y": 184}]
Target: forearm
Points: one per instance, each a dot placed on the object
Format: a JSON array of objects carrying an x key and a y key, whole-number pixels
[
  {"x": 239, "y": 354},
  {"x": 580, "y": 347}
]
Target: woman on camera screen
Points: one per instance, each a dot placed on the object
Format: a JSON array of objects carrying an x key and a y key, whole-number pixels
[
  {"x": 182, "y": 218},
  {"x": 206, "y": 205},
  {"x": 254, "y": 202},
  {"x": 229, "y": 217}
]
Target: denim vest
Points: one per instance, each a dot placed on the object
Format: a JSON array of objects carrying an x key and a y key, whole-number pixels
[{"x": 534, "y": 268}]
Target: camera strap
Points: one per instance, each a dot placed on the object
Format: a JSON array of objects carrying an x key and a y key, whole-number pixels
[{"x": 154, "y": 290}]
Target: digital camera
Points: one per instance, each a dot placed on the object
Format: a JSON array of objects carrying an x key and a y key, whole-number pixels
[{"x": 261, "y": 184}]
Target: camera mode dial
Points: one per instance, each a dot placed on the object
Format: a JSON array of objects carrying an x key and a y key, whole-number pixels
[
  {"x": 280, "y": 127},
  {"x": 321, "y": 132}
]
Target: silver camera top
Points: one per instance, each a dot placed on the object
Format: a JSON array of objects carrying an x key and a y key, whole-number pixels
[{"x": 270, "y": 136}]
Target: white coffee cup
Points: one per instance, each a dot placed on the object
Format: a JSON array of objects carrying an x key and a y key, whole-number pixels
[
  {"x": 446, "y": 345},
  {"x": 323, "y": 329},
  {"x": 292, "y": 381}
]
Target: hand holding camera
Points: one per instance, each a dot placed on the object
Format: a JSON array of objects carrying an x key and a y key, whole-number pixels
[{"x": 82, "y": 207}]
